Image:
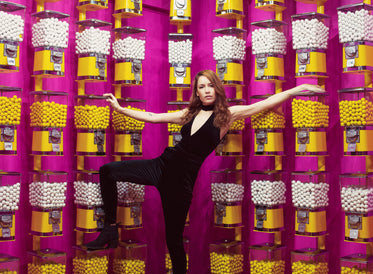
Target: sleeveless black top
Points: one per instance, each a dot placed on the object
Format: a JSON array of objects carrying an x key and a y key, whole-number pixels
[
  {"x": 203, "y": 141},
  {"x": 182, "y": 162}
]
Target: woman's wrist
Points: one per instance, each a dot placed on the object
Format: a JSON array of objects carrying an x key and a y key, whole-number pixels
[{"x": 294, "y": 91}]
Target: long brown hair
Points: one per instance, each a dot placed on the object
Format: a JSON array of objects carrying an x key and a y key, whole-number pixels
[{"x": 222, "y": 113}]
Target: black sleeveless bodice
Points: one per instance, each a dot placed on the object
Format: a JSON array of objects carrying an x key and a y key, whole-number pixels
[
  {"x": 203, "y": 141},
  {"x": 182, "y": 162}
]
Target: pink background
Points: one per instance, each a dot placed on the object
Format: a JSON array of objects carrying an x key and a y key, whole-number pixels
[{"x": 155, "y": 137}]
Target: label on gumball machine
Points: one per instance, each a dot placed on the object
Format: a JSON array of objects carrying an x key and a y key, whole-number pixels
[
  {"x": 302, "y": 68},
  {"x": 7, "y": 136},
  {"x": 303, "y": 140},
  {"x": 136, "y": 69},
  {"x": 55, "y": 220},
  {"x": 180, "y": 6},
  {"x": 55, "y": 139},
  {"x": 11, "y": 61},
  {"x": 220, "y": 210},
  {"x": 352, "y": 138},
  {"x": 136, "y": 142},
  {"x": 56, "y": 59},
  {"x": 101, "y": 65},
  {"x": 354, "y": 224},
  {"x": 303, "y": 60},
  {"x": 180, "y": 73},
  {"x": 261, "y": 216},
  {"x": 222, "y": 69},
  {"x": 99, "y": 140},
  {"x": 6, "y": 222},
  {"x": 10, "y": 51},
  {"x": 99, "y": 216},
  {"x": 135, "y": 214},
  {"x": 261, "y": 64},
  {"x": 303, "y": 220},
  {"x": 350, "y": 63},
  {"x": 351, "y": 52},
  {"x": 261, "y": 140}
]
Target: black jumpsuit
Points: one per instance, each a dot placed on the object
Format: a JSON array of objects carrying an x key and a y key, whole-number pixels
[{"x": 173, "y": 174}]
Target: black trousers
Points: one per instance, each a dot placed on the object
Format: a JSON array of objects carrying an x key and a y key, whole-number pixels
[{"x": 149, "y": 172}]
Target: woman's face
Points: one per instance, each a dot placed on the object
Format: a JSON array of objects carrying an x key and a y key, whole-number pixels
[{"x": 206, "y": 91}]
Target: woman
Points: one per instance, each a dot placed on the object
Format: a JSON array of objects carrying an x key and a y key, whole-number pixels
[{"x": 205, "y": 122}]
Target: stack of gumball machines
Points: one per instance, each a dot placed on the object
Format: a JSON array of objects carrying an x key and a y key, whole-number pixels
[
  {"x": 48, "y": 116},
  {"x": 310, "y": 118},
  {"x": 355, "y": 23},
  {"x": 92, "y": 119},
  {"x": 227, "y": 190},
  {"x": 11, "y": 35},
  {"x": 268, "y": 188}
]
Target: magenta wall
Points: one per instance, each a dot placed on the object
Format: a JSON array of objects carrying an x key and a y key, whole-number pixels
[{"x": 156, "y": 93}]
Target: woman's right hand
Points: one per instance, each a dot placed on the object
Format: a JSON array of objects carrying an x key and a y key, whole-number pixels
[
  {"x": 306, "y": 88},
  {"x": 113, "y": 101}
]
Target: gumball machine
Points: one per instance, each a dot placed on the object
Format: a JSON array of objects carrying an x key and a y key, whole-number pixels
[
  {"x": 356, "y": 199},
  {"x": 130, "y": 200},
  {"x": 11, "y": 34},
  {"x": 46, "y": 260},
  {"x": 269, "y": 47},
  {"x": 226, "y": 256},
  {"x": 128, "y": 131},
  {"x": 268, "y": 195},
  {"x": 354, "y": 26},
  {"x": 310, "y": 197},
  {"x": 229, "y": 47},
  {"x": 92, "y": 47},
  {"x": 310, "y": 260},
  {"x": 180, "y": 59},
  {"x": 227, "y": 193},
  {"x": 231, "y": 145},
  {"x": 130, "y": 257},
  {"x": 10, "y": 186},
  {"x": 50, "y": 34},
  {"x": 267, "y": 258},
  {"x": 91, "y": 118},
  {"x": 10, "y": 116},
  {"x": 48, "y": 119},
  {"x": 129, "y": 52},
  {"x": 310, "y": 115},
  {"x": 47, "y": 195},
  {"x": 268, "y": 129},
  {"x": 356, "y": 116},
  {"x": 90, "y": 215},
  {"x": 310, "y": 40}
]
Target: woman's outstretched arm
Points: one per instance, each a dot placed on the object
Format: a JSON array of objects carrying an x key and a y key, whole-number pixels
[
  {"x": 245, "y": 111},
  {"x": 145, "y": 116}
]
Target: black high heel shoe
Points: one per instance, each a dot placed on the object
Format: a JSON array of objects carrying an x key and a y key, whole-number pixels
[{"x": 108, "y": 238}]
